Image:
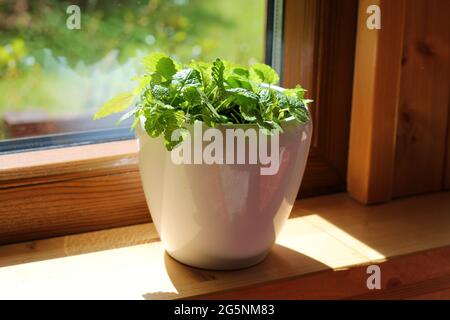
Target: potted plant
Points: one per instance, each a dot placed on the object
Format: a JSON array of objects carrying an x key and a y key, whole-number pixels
[{"x": 222, "y": 151}]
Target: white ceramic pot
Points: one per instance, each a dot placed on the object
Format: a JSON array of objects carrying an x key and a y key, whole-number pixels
[{"x": 222, "y": 216}]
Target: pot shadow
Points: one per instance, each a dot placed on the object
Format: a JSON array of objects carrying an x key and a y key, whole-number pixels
[{"x": 280, "y": 263}]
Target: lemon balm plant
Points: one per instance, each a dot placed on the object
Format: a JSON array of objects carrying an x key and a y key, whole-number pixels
[
  {"x": 216, "y": 215},
  {"x": 170, "y": 96}
]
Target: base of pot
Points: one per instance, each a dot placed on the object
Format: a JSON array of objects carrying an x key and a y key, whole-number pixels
[{"x": 215, "y": 263}]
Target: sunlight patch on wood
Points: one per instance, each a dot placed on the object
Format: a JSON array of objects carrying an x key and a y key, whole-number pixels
[
  {"x": 321, "y": 240},
  {"x": 125, "y": 273}
]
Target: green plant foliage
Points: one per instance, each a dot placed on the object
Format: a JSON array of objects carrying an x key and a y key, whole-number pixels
[
  {"x": 170, "y": 96},
  {"x": 117, "y": 104}
]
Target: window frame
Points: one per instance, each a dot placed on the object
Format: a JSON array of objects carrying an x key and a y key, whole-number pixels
[
  {"x": 319, "y": 50},
  {"x": 73, "y": 189}
]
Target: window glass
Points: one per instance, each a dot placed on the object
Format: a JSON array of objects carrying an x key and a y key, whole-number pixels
[{"x": 60, "y": 60}]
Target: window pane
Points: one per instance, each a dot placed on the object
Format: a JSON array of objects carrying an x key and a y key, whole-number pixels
[{"x": 53, "y": 76}]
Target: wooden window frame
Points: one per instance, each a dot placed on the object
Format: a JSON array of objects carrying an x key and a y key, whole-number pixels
[
  {"x": 83, "y": 188},
  {"x": 319, "y": 48}
]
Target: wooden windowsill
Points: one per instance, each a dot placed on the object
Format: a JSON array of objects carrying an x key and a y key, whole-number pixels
[{"x": 321, "y": 253}]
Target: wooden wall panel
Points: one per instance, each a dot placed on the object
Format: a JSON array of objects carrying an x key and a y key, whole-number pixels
[
  {"x": 424, "y": 98},
  {"x": 375, "y": 101},
  {"x": 400, "y": 115}
]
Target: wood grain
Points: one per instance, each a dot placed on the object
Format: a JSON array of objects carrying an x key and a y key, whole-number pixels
[
  {"x": 301, "y": 47},
  {"x": 322, "y": 253},
  {"x": 335, "y": 81},
  {"x": 447, "y": 165},
  {"x": 318, "y": 54},
  {"x": 400, "y": 117},
  {"x": 320, "y": 177},
  {"x": 375, "y": 103},
  {"x": 64, "y": 207},
  {"x": 67, "y": 163},
  {"x": 413, "y": 276},
  {"x": 424, "y": 99}
]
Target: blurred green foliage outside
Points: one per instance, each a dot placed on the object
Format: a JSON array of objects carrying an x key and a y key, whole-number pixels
[{"x": 46, "y": 66}]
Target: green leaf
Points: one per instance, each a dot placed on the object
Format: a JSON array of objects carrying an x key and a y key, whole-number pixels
[
  {"x": 260, "y": 72},
  {"x": 173, "y": 120},
  {"x": 160, "y": 92},
  {"x": 191, "y": 95},
  {"x": 266, "y": 127},
  {"x": 217, "y": 73},
  {"x": 297, "y": 109},
  {"x": 298, "y": 92},
  {"x": 172, "y": 144},
  {"x": 281, "y": 99},
  {"x": 249, "y": 112},
  {"x": 153, "y": 125},
  {"x": 144, "y": 81},
  {"x": 135, "y": 122},
  {"x": 265, "y": 96},
  {"x": 241, "y": 72},
  {"x": 128, "y": 115},
  {"x": 206, "y": 101},
  {"x": 117, "y": 104},
  {"x": 151, "y": 60},
  {"x": 243, "y": 96},
  {"x": 166, "y": 68},
  {"x": 239, "y": 82},
  {"x": 204, "y": 69},
  {"x": 161, "y": 64},
  {"x": 186, "y": 77},
  {"x": 276, "y": 125}
]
